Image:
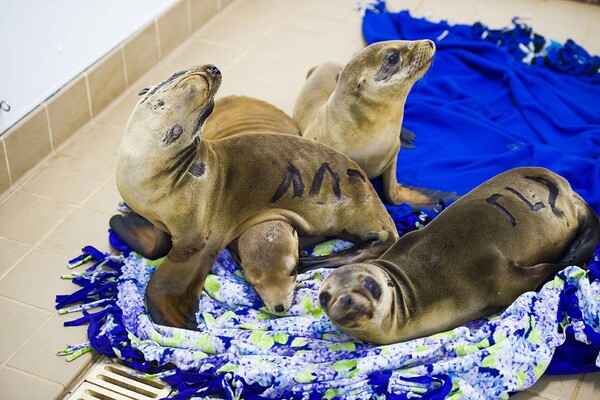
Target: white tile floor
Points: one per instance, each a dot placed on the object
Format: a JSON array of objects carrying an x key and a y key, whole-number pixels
[{"x": 264, "y": 48}]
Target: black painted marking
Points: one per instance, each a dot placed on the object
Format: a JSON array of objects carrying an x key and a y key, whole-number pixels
[
  {"x": 172, "y": 134},
  {"x": 197, "y": 169},
  {"x": 493, "y": 200},
  {"x": 334, "y": 178},
  {"x": 552, "y": 193},
  {"x": 357, "y": 173},
  {"x": 533, "y": 207},
  {"x": 292, "y": 177}
]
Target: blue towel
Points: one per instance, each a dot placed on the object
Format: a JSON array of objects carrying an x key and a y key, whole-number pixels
[{"x": 495, "y": 100}]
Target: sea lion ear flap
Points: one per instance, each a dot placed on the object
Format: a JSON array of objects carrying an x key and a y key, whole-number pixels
[
  {"x": 144, "y": 91},
  {"x": 310, "y": 71}
]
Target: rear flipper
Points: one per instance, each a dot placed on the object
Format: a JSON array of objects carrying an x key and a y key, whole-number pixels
[
  {"x": 585, "y": 241},
  {"x": 407, "y": 138},
  {"x": 139, "y": 234}
]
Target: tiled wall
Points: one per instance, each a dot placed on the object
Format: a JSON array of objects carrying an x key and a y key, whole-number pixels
[{"x": 41, "y": 133}]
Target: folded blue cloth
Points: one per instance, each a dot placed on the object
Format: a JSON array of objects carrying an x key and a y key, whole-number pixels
[{"x": 495, "y": 100}]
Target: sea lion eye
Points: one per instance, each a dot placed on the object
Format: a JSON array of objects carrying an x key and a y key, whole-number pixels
[
  {"x": 393, "y": 58},
  {"x": 324, "y": 298},
  {"x": 372, "y": 286}
]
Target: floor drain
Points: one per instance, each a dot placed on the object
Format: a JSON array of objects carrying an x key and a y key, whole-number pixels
[{"x": 112, "y": 381}]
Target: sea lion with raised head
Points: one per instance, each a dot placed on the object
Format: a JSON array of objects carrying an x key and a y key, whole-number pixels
[
  {"x": 199, "y": 195},
  {"x": 358, "y": 109},
  {"x": 505, "y": 237}
]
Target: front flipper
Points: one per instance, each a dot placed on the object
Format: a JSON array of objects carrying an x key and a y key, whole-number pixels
[
  {"x": 396, "y": 193},
  {"x": 407, "y": 138},
  {"x": 173, "y": 291},
  {"x": 586, "y": 239},
  {"x": 139, "y": 234},
  {"x": 369, "y": 249}
]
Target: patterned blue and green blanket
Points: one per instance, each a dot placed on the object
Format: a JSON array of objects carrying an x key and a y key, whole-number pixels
[{"x": 244, "y": 352}]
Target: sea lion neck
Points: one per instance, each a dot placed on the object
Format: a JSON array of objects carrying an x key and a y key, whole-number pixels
[{"x": 404, "y": 301}]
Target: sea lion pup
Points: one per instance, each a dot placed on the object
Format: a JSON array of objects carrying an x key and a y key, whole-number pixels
[
  {"x": 358, "y": 109},
  {"x": 268, "y": 254},
  {"x": 200, "y": 194},
  {"x": 504, "y": 238}
]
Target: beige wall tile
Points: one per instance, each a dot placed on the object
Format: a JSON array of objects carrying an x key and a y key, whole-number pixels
[
  {"x": 82, "y": 228},
  {"x": 10, "y": 253},
  {"x": 201, "y": 11},
  {"x": 38, "y": 356},
  {"x": 68, "y": 111},
  {"x": 141, "y": 53},
  {"x": 4, "y": 176},
  {"x": 106, "y": 80},
  {"x": 68, "y": 179},
  {"x": 36, "y": 280},
  {"x": 173, "y": 27},
  {"x": 17, "y": 385},
  {"x": 27, "y": 143},
  {"x": 19, "y": 323},
  {"x": 27, "y": 218}
]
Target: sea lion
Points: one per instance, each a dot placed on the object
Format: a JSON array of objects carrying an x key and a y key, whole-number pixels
[
  {"x": 233, "y": 115},
  {"x": 505, "y": 237},
  {"x": 358, "y": 109},
  {"x": 268, "y": 255},
  {"x": 199, "y": 195}
]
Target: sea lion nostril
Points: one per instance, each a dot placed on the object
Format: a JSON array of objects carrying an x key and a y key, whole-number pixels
[
  {"x": 279, "y": 308},
  {"x": 213, "y": 70}
]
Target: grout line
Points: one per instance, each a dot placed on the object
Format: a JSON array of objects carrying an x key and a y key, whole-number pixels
[
  {"x": 124, "y": 65},
  {"x": 19, "y": 260},
  {"x": 577, "y": 387},
  {"x": 188, "y": 12},
  {"x": 86, "y": 77},
  {"x": 7, "y": 164},
  {"x": 158, "y": 42},
  {"x": 47, "y": 113}
]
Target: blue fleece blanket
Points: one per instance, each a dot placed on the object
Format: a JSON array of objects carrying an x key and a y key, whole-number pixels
[{"x": 494, "y": 100}]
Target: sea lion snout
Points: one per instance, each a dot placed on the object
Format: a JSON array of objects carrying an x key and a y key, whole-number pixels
[{"x": 213, "y": 70}]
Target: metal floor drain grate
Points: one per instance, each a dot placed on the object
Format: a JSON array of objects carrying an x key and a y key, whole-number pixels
[{"x": 112, "y": 381}]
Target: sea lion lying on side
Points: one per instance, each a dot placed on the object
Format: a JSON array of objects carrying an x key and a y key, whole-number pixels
[
  {"x": 505, "y": 237},
  {"x": 200, "y": 195},
  {"x": 358, "y": 109}
]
